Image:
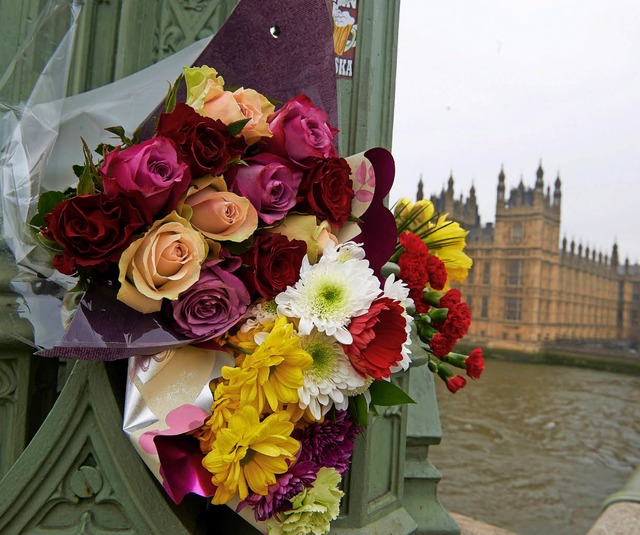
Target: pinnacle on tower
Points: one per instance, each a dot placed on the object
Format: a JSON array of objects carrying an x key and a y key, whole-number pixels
[
  {"x": 539, "y": 175},
  {"x": 450, "y": 182},
  {"x": 420, "y": 193},
  {"x": 614, "y": 255}
]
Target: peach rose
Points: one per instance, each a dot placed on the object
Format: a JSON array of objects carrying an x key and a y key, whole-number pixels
[
  {"x": 217, "y": 213},
  {"x": 206, "y": 95},
  {"x": 162, "y": 264},
  {"x": 305, "y": 228}
]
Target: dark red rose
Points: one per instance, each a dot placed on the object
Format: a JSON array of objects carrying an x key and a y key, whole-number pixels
[
  {"x": 474, "y": 363},
  {"x": 203, "y": 143},
  {"x": 326, "y": 191},
  {"x": 378, "y": 336},
  {"x": 273, "y": 263},
  {"x": 92, "y": 230}
]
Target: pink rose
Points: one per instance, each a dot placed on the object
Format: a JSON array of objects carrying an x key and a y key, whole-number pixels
[
  {"x": 269, "y": 182},
  {"x": 150, "y": 174},
  {"x": 301, "y": 131}
]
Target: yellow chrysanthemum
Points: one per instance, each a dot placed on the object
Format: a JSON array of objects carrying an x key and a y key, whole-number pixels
[
  {"x": 249, "y": 453},
  {"x": 274, "y": 372},
  {"x": 246, "y": 340},
  {"x": 226, "y": 403}
]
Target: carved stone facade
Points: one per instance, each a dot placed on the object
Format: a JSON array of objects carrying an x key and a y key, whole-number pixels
[{"x": 527, "y": 289}]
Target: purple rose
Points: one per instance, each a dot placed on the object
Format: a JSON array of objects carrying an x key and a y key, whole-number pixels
[
  {"x": 150, "y": 174},
  {"x": 212, "y": 305},
  {"x": 301, "y": 131},
  {"x": 269, "y": 182}
]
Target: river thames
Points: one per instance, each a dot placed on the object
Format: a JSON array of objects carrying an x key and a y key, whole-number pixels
[{"x": 537, "y": 448}]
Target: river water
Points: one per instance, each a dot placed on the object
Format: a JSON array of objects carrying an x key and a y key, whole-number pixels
[{"x": 536, "y": 449}]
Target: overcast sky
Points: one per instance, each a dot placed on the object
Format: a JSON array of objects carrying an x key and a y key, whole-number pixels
[{"x": 503, "y": 82}]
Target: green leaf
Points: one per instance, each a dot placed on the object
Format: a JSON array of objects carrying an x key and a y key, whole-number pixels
[
  {"x": 172, "y": 95},
  {"x": 118, "y": 131},
  {"x": 239, "y": 248},
  {"x": 385, "y": 393},
  {"x": 77, "y": 170},
  {"x": 236, "y": 127},
  {"x": 359, "y": 410},
  {"x": 90, "y": 177},
  {"x": 48, "y": 244},
  {"x": 46, "y": 204}
]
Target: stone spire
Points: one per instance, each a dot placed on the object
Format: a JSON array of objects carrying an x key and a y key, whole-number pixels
[
  {"x": 539, "y": 175},
  {"x": 557, "y": 193},
  {"x": 420, "y": 193},
  {"x": 614, "y": 255},
  {"x": 501, "y": 178}
]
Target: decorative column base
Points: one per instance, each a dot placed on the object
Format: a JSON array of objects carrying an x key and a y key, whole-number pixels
[
  {"x": 420, "y": 476},
  {"x": 398, "y": 522}
]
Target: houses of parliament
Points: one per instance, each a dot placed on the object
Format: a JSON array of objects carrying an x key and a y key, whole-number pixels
[{"x": 528, "y": 290}]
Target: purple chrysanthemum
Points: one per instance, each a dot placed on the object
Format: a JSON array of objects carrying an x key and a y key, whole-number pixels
[
  {"x": 330, "y": 443},
  {"x": 300, "y": 475}
]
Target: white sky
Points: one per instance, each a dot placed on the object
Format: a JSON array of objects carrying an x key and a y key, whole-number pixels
[{"x": 486, "y": 83}]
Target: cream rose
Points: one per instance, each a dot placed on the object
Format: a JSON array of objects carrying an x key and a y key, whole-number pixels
[
  {"x": 162, "y": 264},
  {"x": 305, "y": 228},
  {"x": 217, "y": 213},
  {"x": 207, "y": 96}
]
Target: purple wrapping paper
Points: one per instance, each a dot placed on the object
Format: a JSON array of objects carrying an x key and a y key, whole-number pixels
[
  {"x": 299, "y": 60},
  {"x": 244, "y": 51}
]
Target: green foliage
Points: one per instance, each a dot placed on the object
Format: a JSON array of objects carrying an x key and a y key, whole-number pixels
[
  {"x": 385, "y": 393},
  {"x": 89, "y": 180},
  {"x": 236, "y": 127},
  {"x": 118, "y": 131},
  {"x": 46, "y": 203},
  {"x": 172, "y": 95}
]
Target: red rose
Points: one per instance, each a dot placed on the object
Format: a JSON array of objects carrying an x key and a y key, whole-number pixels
[
  {"x": 204, "y": 143},
  {"x": 273, "y": 264},
  {"x": 456, "y": 383},
  {"x": 326, "y": 191},
  {"x": 301, "y": 131},
  {"x": 474, "y": 363},
  {"x": 92, "y": 230},
  {"x": 378, "y": 336}
]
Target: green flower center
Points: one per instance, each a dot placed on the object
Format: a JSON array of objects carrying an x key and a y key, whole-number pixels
[
  {"x": 270, "y": 307},
  {"x": 324, "y": 361},
  {"x": 329, "y": 298}
]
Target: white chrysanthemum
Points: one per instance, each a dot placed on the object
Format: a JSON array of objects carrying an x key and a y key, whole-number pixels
[
  {"x": 328, "y": 294},
  {"x": 342, "y": 252},
  {"x": 398, "y": 291},
  {"x": 261, "y": 313},
  {"x": 330, "y": 377}
]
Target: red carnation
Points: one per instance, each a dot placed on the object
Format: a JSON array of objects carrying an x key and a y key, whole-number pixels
[
  {"x": 441, "y": 344},
  {"x": 458, "y": 321},
  {"x": 452, "y": 297},
  {"x": 437, "y": 273},
  {"x": 413, "y": 267},
  {"x": 378, "y": 336},
  {"x": 474, "y": 363},
  {"x": 456, "y": 383}
]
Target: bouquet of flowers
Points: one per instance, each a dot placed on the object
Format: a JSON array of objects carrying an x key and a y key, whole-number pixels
[
  {"x": 241, "y": 265},
  {"x": 233, "y": 227}
]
